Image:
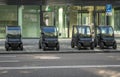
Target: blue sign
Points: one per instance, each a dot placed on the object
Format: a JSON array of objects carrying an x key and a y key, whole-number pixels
[
  {"x": 108, "y": 8},
  {"x": 14, "y": 28}
]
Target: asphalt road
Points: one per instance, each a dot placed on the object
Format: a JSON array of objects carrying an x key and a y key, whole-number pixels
[
  {"x": 34, "y": 62},
  {"x": 60, "y": 65}
]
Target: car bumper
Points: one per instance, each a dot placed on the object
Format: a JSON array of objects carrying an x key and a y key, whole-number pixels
[
  {"x": 51, "y": 44},
  {"x": 86, "y": 43},
  {"x": 14, "y": 44},
  {"x": 109, "y": 43}
]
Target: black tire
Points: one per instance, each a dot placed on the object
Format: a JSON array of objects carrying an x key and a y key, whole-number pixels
[
  {"x": 6, "y": 47},
  {"x": 44, "y": 47},
  {"x": 21, "y": 47},
  {"x": 95, "y": 44},
  {"x": 92, "y": 46},
  {"x": 101, "y": 45},
  {"x": 115, "y": 45},
  {"x": 79, "y": 46},
  {"x": 40, "y": 45},
  {"x": 57, "y": 47},
  {"x": 72, "y": 45}
]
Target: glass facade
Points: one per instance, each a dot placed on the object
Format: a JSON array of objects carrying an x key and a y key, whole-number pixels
[
  {"x": 100, "y": 15},
  {"x": 62, "y": 16},
  {"x": 48, "y": 15},
  {"x": 8, "y": 16},
  {"x": 62, "y": 21},
  {"x": 29, "y": 20},
  {"x": 56, "y": 16},
  {"x": 117, "y": 22}
]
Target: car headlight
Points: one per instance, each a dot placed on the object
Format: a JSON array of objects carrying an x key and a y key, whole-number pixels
[{"x": 92, "y": 39}]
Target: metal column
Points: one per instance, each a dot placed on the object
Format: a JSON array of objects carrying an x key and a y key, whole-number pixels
[{"x": 41, "y": 16}]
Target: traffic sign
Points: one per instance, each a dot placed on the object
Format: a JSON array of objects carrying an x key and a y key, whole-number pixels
[{"x": 108, "y": 9}]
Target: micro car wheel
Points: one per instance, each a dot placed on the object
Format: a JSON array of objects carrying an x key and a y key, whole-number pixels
[
  {"x": 79, "y": 46},
  {"x": 44, "y": 47},
  {"x": 101, "y": 45},
  {"x": 6, "y": 47},
  {"x": 58, "y": 47},
  {"x": 72, "y": 45},
  {"x": 95, "y": 44},
  {"x": 21, "y": 47},
  {"x": 39, "y": 45},
  {"x": 115, "y": 46},
  {"x": 92, "y": 46}
]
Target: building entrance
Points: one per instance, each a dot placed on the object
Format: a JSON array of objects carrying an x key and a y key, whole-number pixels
[
  {"x": 83, "y": 18},
  {"x": 100, "y": 18},
  {"x": 56, "y": 16},
  {"x": 92, "y": 16}
]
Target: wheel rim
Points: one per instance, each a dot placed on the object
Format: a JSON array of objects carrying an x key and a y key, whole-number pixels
[
  {"x": 79, "y": 46},
  {"x": 57, "y": 47},
  {"x": 72, "y": 44},
  {"x": 114, "y": 46},
  {"x": 92, "y": 46},
  {"x": 101, "y": 45}
]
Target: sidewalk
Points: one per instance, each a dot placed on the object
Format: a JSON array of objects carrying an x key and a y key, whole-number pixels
[
  {"x": 35, "y": 41},
  {"x": 25, "y": 41}
]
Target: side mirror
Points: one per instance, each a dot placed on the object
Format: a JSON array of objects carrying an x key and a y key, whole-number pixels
[
  {"x": 42, "y": 33},
  {"x": 98, "y": 35},
  {"x": 91, "y": 35},
  {"x": 92, "y": 32},
  {"x": 59, "y": 34}
]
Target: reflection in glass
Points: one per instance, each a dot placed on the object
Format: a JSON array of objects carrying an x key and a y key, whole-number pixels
[
  {"x": 84, "y": 31},
  {"x": 107, "y": 31},
  {"x": 50, "y": 32},
  {"x": 13, "y": 32}
]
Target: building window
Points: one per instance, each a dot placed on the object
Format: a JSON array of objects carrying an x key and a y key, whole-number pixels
[
  {"x": 8, "y": 16},
  {"x": 29, "y": 19}
]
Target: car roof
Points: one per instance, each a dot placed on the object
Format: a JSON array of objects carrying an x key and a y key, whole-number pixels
[
  {"x": 81, "y": 25},
  {"x": 48, "y": 27},
  {"x": 85, "y": 26},
  {"x": 105, "y": 26},
  {"x": 13, "y": 27}
]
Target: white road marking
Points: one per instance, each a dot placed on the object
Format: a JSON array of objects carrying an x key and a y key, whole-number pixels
[
  {"x": 8, "y": 56},
  {"x": 47, "y": 57},
  {"x": 60, "y": 67},
  {"x": 9, "y": 61}
]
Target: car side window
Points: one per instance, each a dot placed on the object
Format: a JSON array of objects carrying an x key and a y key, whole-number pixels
[
  {"x": 98, "y": 31},
  {"x": 75, "y": 30},
  {"x": 110, "y": 30}
]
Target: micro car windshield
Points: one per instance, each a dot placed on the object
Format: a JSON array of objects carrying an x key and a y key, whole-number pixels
[
  {"x": 13, "y": 31},
  {"x": 107, "y": 31},
  {"x": 50, "y": 31},
  {"x": 84, "y": 31}
]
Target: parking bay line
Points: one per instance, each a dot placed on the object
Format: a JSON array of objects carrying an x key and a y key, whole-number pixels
[
  {"x": 7, "y": 56},
  {"x": 9, "y": 61},
  {"x": 60, "y": 67}
]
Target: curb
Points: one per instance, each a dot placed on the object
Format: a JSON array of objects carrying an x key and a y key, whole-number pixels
[{"x": 60, "y": 52}]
